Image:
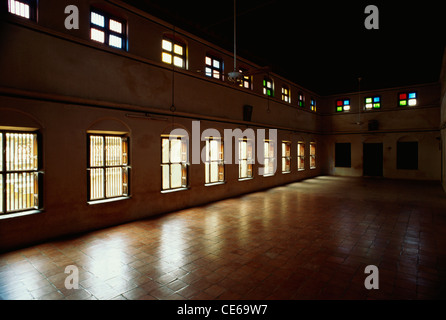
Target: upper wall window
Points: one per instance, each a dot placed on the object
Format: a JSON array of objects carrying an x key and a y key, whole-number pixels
[
  {"x": 246, "y": 80},
  {"x": 268, "y": 87},
  {"x": 286, "y": 94},
  {"x": 107, "y": 29},
  {"x": 108, "y": 167},
  {"x": 407, "y": 99},
  {"x": 313, "y": 104},
  {"x": 19, "y": 172},
  {"x": 301, "y": 100},
  {"x": 372, "y": 102},
  {"x": 342, "y": 105},
  {"x": 23, "y": 8},
  {"x": 214, "y": 68},
  {"x": 174, "y": 52}
]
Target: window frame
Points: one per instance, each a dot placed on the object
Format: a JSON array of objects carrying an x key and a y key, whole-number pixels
[
  {"x": 373, "y": 103},
  {"x": 107, "y": 30},
  {"x": 300, "y": 157},
  {"x": 214, "y": 69},
  {"x": 271, "y": 159},
  {"x": 32, "y": 4},
  {"x": 221, "y": 176},
  {"x": 313, "y": 155},
  {"x": 248, "y": 158},
  {"x": 125, "y": 182},
  {"x": 184, "y": 164},
  {"x": 286, "y": 94},
  {"x": 267, "y": 80},
  {"x": 301, "y": 100},
  {"x": 37, "y": 196},
  {"x": 408, "y": 99},
  {"x": 341, "y": 103},
  {"x": 174, "y": 41},
  {"x": 313, "y": 106},
  {"x": 286, "y": 158}
]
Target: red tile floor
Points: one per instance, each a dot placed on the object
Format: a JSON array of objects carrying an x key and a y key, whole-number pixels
[{"x": 306, "y": 240}]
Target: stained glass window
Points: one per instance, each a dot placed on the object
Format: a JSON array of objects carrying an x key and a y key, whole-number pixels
[
  {"x": 407, "y": 99},
  {"x": 301, "y": 100},
  {"x": 214, "y": 68},
  {"x": 286, "y": 94},
  {"x": 342, "y": 105},
  {"x": 268, "y": 88},
  {"x": 372, "y": 103},
  {"x": 313, "y": 105}
]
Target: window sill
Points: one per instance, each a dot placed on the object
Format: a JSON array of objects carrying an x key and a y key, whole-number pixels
[
  {"x": 268, "y": 175},
  {"x": 174, "y": 190},
  {"x": 312, "y": 168},
  {"x": 5, "y": 216},
  {"x": 214, "y": 183},
  {"x": 286, "y": 172},
  {"x": 93, "y": 202},
  {"x": 300, "y": 169},
  {"x": 245, "y": 179}
]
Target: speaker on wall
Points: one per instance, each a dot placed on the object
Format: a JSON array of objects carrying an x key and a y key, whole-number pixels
[{"x": 247, "y": 112}]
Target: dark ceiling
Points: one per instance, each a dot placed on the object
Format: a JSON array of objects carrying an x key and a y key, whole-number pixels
[{"x": 321, "y": 45}]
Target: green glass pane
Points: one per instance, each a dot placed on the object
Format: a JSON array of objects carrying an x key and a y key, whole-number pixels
[
  {"x": 368, "y": 100},
  {"x": 403, "y": 103},
  {"x": 339, "y": 109},
  {"x": 377, "y": 105}
]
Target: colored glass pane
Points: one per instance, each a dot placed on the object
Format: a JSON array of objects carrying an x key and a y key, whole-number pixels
[
  {"x": 368, "y": 100},
  {"x": 403, "y": 103},
  {"x": 403, "y": 96},
  {"x": 412, "y": 95}
]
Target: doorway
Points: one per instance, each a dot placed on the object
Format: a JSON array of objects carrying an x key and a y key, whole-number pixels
[{"x": 373, "y": 159}]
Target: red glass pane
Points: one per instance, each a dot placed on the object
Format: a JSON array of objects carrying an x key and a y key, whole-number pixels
[
  {"x": 403, "y": 96},
  {"x": 339, "y": 103}
]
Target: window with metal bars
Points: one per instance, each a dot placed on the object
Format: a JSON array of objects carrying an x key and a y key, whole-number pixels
[
  {"x": 174, "y": 165},
  {"x": 214, "y": 164},
  {"x": 23, "y": 8},
  {"x": 108, "y": 169},
  {"x": 312, "y": 155},
  {"x": 269, "y": 158},
  {"x": 301, "y": 156},
  {"x": 286, "y": 156},
  {"x": 245, "y": 158},
  {"x": 19, "y": 172}
]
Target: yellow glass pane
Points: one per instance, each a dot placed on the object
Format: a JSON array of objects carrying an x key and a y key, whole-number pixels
[{"x": 167, "y": 58}]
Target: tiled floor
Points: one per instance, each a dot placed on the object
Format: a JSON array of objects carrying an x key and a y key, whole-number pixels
[{"x": 307, "y": 240}]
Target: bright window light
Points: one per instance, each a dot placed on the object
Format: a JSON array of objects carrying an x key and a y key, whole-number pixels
[
  {"x": 343, "y": 105},
  {"x": 407, "y": 99},
  {"x": 167, "y": 58},
  {"x": 97, "y": 19},
  {"x": 19, "y": 8},
  {"x": 115, "y": 26},
  {"x": 115, "y": 41},
  {"x": 167, "y": 45},
  {"x": 97, "y": 35}
]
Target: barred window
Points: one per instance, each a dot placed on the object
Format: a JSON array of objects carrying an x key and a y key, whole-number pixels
[
  {"x": 214, "y": 164},
  {"x": 19, "y": 175},
  {"x": 286, "y": 156},
  {"x": 312, "y": 155},
  {"x": 23, "y": 8},
  {"x": 300, "y": 156},
  {"x": 246, "y": 159},
  {"x": 108, "y": 167},
  {"x": 269, "y": 158},
  {"x": 174, "y": 166}
]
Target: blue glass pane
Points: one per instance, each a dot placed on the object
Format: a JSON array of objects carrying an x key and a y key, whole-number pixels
[
  {"x": 412, "y": 95},
  {"x": 346, "y": 102},
  {"x": 376, "y": 99}
]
